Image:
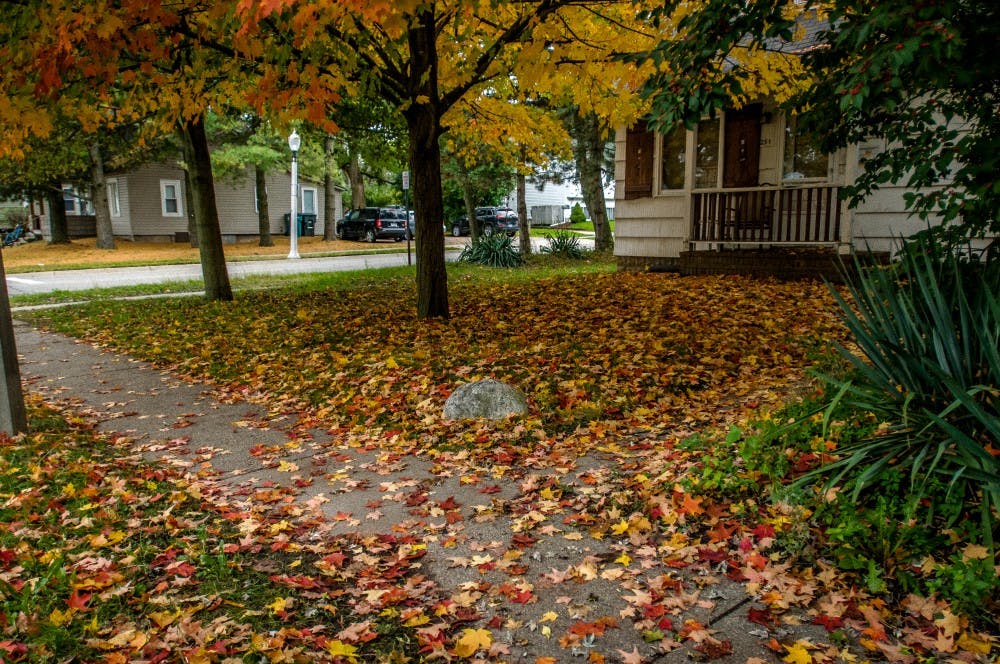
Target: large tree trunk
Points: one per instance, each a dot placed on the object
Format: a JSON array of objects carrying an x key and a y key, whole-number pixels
[
  {"x": 58, "y": 228},
  {"x": 356, "y": 178},
  {"x": 213, "y": 259},
  {"x": 99, "y": 187},
  {"x": 523, "y": 229},
  {"x": 329, "y": 195},
  {"x": 424, "y": 123},
  {"x": 588, "y": 149},
  {"x": 263, "y": 214}
]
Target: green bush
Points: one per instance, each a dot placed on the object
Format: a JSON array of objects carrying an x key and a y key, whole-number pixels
[
  {"x": 493, "y": 251},
  {"x": 929, "y": 368},
  {"x": 564, "y": 245},
  {"x": 577, "y": 215}
]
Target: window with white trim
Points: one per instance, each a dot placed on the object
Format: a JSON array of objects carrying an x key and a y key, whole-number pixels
[
  {"x": 308, "y": 200},
  {"x": 114, "y": 201},
  {"x": 170, "y": 198},
  {"x": 75, "y": 202},
  {"x": 803, "y": 158}
]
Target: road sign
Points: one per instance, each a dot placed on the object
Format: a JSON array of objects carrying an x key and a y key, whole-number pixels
[{"x": 406, "y": 180}]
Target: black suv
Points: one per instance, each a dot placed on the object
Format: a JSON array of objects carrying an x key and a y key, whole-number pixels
[
  {"x": 491, "y": 220},
  {"x": 371, "y": 224}
]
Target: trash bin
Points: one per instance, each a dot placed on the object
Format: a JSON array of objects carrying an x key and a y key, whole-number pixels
[{"x": 306, "y": 227}]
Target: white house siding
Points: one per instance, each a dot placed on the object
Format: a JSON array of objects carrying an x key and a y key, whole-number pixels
[
  {"x": 649, "y": 232},
  {"x": 563, "y": 194},
  {"x": 881, "y": 220}
]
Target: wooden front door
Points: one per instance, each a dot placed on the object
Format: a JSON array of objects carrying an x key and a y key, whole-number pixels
[{"x": 741, "y": 159}]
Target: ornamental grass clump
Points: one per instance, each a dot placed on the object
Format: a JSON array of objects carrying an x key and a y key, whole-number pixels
[
  {"x": 564, "y": 245},
  {"x": 928, "y": 332},
  {"x": 493, "y": 251}
]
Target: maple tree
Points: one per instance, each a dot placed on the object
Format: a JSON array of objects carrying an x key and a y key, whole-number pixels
[
  {"x": 425, "y": 59},
  {"x": 130, "y": 63}
]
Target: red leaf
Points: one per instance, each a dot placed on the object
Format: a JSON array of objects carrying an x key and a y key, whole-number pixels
[{"x": 831, "y": 623}]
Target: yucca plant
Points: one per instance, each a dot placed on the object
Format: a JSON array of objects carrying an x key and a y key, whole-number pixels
[
  {"x": 564, "y": 245},
  {"x": 493, "y": 251},
  {"x": 928, "y": 332}
]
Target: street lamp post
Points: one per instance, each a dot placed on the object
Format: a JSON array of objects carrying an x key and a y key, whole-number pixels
[{"x": 293, "y": 222}]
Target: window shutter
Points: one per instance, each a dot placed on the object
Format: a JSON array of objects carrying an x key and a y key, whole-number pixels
[{"x": 638, "y": 162}]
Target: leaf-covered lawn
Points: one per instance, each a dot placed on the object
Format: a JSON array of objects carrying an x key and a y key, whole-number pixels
[
  {"x": 620, "y": 486},
  {"x": 105, "y": 558},
  {"x": 598, "y": 351}
]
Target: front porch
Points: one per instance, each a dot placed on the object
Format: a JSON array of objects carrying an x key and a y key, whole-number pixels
[{"x": 772, "y": 216}]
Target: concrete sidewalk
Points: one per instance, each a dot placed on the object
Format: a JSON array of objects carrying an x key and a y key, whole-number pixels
[{"x": 240, "y": 445}]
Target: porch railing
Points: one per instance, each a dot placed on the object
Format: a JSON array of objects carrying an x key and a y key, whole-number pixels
[{"x": 766, "y": 215}]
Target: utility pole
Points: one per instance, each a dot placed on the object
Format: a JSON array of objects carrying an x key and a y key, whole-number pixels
[{"x": 12, "y": 416}]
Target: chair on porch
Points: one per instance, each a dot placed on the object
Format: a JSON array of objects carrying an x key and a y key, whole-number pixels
[{"x": 750, "y": 216}]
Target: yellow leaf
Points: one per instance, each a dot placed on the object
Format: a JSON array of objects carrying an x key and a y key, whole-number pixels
[
  {"x": 620, "y": 528},
  {"x": 163, "y": 618},
  {"x": 473, "y": 640},
  {"x": 797, "y": 654},
  {"x": 338, "y": 648},
  {"x": 623, "y": 559},
  {"x": 60, "y": 618},
  {"x": 972, "y": 643},
  {"x": 975, "y": 551},
  {"x": 573, "y": 536},
  {"x": 279, "y": 604},
  {"x": 548, "y": 493},
  {"x": 548, "y": 616},
  {"x": 546, "y": 631},
  {"x": 418, "y": 620}
]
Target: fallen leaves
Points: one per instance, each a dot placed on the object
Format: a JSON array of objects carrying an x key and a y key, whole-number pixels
[{"x": 619, "y": 370}]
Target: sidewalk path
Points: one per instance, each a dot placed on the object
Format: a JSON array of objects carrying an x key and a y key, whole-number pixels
[{"x": 475, "y": 546}]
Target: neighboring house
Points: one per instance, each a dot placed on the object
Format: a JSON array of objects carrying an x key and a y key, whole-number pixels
[
  {"x": 553, "y": 194},
  {"x": 149, "y": 203},
  {"x": 749, "y": 179}
]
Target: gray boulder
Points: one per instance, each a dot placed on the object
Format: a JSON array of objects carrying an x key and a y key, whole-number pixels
[{"x": 485, "y": 398}]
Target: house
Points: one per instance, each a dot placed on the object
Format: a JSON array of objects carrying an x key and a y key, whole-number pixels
[
  {"x": 555, "y": 194},
  {"x": 746, "y": 192},
  {"x": 149, "y": 203}
]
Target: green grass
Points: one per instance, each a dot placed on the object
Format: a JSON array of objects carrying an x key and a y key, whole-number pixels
[
  {"x": 586, "y": 227},
  {"x": 538, "y": 266}
]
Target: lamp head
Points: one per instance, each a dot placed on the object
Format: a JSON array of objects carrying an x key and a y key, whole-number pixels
[{"x": 294, "y": 142}]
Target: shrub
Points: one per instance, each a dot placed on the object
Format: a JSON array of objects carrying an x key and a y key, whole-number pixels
[
  {"x": 577, "y": 215},
  {"x": 564, "y": 245},
  {"x": 929, "y": 368},
  {"x": 493, "y": 250}
]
